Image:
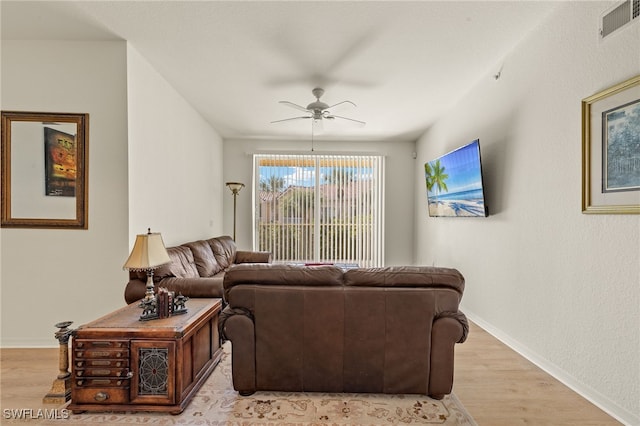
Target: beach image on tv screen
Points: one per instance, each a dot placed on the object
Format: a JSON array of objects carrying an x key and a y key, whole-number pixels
[{"x": 454, "y": 183}]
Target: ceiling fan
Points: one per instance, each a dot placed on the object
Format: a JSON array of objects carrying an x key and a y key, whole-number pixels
[{"x": 318, "y": 110}]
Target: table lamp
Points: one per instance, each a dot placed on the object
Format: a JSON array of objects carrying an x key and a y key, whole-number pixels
[{"x": 148, "y": 254}]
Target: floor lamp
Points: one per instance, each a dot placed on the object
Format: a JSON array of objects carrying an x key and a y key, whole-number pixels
[{"x": 235, "y": 187}]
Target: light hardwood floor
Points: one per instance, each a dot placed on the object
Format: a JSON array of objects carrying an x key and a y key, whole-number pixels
[
  {"x": 499, "y": 387},
  {"x": 495, "y": 384}
]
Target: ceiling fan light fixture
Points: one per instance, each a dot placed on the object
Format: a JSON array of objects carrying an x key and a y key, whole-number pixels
[{"x": 318, "y": 110}]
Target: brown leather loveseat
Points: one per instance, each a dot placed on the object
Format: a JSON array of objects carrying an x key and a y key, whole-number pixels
[
  {"x": 378, "y": 330},
  {"x": 196, "y": 270}
]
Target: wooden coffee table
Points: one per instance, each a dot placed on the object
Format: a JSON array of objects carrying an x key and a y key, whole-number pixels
[{"x": 122, "y": 364}]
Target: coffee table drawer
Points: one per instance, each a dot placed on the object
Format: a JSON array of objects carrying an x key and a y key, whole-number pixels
[
  {"x": 119, "y": 353},
  {"x": 103, "y": 363},
  {"x": 98, "y": 381},
  {"x": 101, "y": 344},
  {"x": 102, "y": 372},
  {"x": 101, "y": 395}
]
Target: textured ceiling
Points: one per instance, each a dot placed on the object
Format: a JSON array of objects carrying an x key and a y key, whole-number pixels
[{"x": 401, "y": 63}]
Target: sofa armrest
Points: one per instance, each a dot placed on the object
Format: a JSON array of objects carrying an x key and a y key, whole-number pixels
[
  {"x": 194, "y": 287},
  {"x": 448, "y": 329},
  {"x": 462, "y": 319},
  {"x": 135, "y": 290},
  {"x": 236, "y": 324},
  {"x": 243, "y": 256}
]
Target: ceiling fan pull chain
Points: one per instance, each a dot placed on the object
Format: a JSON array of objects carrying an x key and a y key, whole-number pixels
[{"x": 311, "y": 135}]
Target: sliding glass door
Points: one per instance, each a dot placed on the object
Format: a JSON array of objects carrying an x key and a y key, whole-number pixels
[{"x": 320, "y": 208}]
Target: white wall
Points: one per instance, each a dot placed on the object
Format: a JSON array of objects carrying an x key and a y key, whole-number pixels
[
  {"x": 175, "y": 161},
  {"x": 561, "y": 287},
  {"x": 153, "y": 162},
  {"x": 399, "y": 166},
  {"x": 54, "y": 275}
]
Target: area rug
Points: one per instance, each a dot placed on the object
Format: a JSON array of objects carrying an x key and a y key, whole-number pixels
[{"x": 216, "y": 403}]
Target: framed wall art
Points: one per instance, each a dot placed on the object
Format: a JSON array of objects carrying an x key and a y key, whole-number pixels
[
  {"x": 611, "y": 150},
  {"x": 44, "y": 170},
  {"x": 61, "y": 163}
]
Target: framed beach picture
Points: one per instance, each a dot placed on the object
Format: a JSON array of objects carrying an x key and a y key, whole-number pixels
[{"x": 611, "y": 150}]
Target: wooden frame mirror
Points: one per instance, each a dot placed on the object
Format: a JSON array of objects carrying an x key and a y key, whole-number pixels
[{"x": 44, "y": 170}]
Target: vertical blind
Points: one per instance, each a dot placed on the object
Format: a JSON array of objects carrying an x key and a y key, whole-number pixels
[{"x": 320, "y": 208}]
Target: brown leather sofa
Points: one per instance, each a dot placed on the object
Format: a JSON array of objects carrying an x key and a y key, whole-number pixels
[
  {"x": 196, "y": 270},
  {"x": 378, "y": 330}
]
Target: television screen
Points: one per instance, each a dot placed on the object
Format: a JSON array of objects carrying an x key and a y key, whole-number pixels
[{"x": 454, "y": 183}]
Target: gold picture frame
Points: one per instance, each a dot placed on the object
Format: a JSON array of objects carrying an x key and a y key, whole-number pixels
[
  {"x": 44, "y": 170},
  {"x": 610, "y": 156}
]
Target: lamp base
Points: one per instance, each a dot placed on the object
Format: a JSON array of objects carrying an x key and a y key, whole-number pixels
[{"x": 150, "y": 293}]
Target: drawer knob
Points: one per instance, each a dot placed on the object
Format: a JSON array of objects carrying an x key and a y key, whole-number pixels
[{"x": 101, "y": 396}]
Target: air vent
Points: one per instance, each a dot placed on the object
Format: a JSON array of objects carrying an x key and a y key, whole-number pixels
[{"x": 619, "y": 16}]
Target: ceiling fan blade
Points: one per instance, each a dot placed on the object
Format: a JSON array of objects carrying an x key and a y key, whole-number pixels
[
  {"x": 340, "y": 103},
  {"x": 289, "y": 119},
  {"x": 346, "y": 118},
  {"x": 296, "y": 106}
]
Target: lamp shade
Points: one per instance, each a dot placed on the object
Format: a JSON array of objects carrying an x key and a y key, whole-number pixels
[
  {"x": 235, "y": 187},
  {"x": 148, "y": 253}
]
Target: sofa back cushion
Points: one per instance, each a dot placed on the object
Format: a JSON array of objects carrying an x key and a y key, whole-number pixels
[
  {"x": 205, "y": 261},
  {"x": 182, "y": 264},
  {"x": 224, "y": 250},
  {"x": 406, "y": 276}
]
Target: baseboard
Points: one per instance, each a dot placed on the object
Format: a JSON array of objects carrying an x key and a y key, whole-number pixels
[
  {"x": 29, "y": 343},
  {"x": 605, "y": 404}
]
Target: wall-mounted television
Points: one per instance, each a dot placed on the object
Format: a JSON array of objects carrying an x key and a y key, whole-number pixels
[{"x": 454, "y": 183}]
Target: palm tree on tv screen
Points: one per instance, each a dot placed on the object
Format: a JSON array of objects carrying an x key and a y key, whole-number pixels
[{"x": 436, "y": 177}]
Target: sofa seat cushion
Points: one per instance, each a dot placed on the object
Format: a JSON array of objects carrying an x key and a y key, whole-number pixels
[
  {"x": 182, "y": 264},
  {"x": 205, "y": 261}
]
